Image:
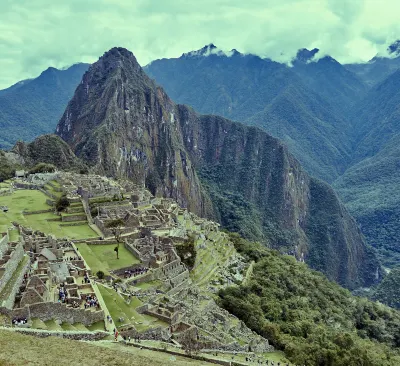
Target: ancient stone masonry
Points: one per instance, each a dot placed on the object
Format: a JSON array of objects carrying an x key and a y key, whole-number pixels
[
  {"x": 56, "y": 285},
  {"x": 9, "y": 262},
  {"x": 52, "y": 288}
]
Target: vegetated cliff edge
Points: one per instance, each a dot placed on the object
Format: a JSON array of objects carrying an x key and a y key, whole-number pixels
[{"x": 121, "y": 123}]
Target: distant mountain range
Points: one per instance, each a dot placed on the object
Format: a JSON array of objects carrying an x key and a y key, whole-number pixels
[
  {"x": 339, "y": 121},
  {"x": 34, "y": 106}
]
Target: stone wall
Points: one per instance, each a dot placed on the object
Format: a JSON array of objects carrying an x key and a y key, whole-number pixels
[
  {"x": 57, "y": 311},
  {"x": 10, "y": 301},
  {"x": 12, "y": 264},
  {"x": 3, "y": 245},
  {"x": 74, "y": 335},
  {"x": 73, "y": 218},
  {"x": 132, "y": 249}
]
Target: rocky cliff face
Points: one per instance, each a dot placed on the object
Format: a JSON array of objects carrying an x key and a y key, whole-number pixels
[{"x": 123, "y": 125}]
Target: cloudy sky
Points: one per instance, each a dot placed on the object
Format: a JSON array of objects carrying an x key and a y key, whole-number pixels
[{"x": 36, "y": 34}]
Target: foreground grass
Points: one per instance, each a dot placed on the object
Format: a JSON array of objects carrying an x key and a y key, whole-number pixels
[
  {"x": 103, "y": 258},
  {"x": 18, "y": 349}
]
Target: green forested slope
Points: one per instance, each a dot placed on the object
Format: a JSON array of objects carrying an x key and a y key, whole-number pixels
[{"x": 314, "y": 321}]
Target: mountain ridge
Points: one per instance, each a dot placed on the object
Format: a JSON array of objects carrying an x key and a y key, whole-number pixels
[{"x": 123, "y": 125}]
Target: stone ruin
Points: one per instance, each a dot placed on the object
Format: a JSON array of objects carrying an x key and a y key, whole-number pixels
[{"x": 53, "y": 265}]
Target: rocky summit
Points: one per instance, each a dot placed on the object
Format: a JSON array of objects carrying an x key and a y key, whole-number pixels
[{"x": 123, "y": 125}]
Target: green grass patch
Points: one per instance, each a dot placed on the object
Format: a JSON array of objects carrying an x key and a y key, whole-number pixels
[
  {"x": 14, "y": 235},
  {"x": 33, "y": 200},
  {"x": 96, "y": 326},
  {"x": 118, "y": 307},
  {"x": 103, "y": 258}
]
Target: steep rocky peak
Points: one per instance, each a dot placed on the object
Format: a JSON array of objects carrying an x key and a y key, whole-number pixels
[{"x": 205, "y": 51}]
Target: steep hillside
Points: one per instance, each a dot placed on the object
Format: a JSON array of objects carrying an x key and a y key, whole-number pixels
[
  {"x": 388, "y": 291},
  {"x": 33, "y": 107},
  {"x": 123, "y": 125},
  {"x": 330, "y": 80},
  {"x": 370, "y": 186},
  {"x": 370, "y": 190},
  {"x": 256, "y": 91},
  {"x": 313, "y": 320},
  {"x": 375, "y": 118}
]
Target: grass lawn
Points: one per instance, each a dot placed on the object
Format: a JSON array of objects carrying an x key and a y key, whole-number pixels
[
  {"x": 117, "y": 307},
  {"x": 14, "y": 235},
  {"x": 33, "y": 200},
  {"x": 18, "y": 349},
  {"x": 103, "y": 257}
]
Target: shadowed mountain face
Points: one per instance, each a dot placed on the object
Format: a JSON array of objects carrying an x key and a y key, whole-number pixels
[
  {"x": 33, "y": 107},
  {"x": 122, "y": 124}
]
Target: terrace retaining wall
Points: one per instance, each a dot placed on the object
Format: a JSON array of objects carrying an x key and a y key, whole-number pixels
[
  {"x": 10, "y": 301},
  {"x": 11, "y": 265}
]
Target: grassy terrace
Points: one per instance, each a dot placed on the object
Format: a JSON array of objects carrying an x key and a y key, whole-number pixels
[
  {"x": 33, "y": 200},
  {"x": 51, "y": 190},
  {"x": 118, "y": 307},
  {"x": 103, "y": 258},
  {"x": 5, "y": 293}
]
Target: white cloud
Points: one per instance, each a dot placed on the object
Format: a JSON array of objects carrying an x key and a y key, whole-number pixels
[{"x": 35, "y": 34}]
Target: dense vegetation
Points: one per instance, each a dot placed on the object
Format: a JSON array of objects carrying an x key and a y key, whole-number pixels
[
  {"x": 388, "y": 291},
  {"x": 187, "y": 252},
  {"x": 314, "y": 321},
  {"x": 7, "y": 167}
]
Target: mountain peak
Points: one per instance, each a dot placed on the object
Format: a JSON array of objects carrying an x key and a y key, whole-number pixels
[
  {"x": 304, "y": 55},
  {"x": 207, "y": 50}
]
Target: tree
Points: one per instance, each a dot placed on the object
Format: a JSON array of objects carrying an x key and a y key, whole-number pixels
[
  {"x": 43, "y": 168},
  {"x": 115, "y": 227},
  {"x": 62, "y": 203},
  {"x": 100, "y": 275}
]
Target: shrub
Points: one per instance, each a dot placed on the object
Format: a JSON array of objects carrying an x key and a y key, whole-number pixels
[
  {"x": 100, "y": 275},
  {"x": 42, "y": 168},
  {"x": 62, "y": 203}
]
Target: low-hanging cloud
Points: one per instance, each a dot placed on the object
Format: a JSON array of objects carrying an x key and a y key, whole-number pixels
[{"x": 36, "y": 34}]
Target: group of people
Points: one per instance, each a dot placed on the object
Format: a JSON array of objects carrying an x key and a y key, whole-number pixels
[
  {"x": 62, "y": 293},
  {"x": 72, "y": 259},
  {"x": 91, "y": 301},
  {"x": 135, "y": 272},
  {"x": 19, "y": 321}
]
